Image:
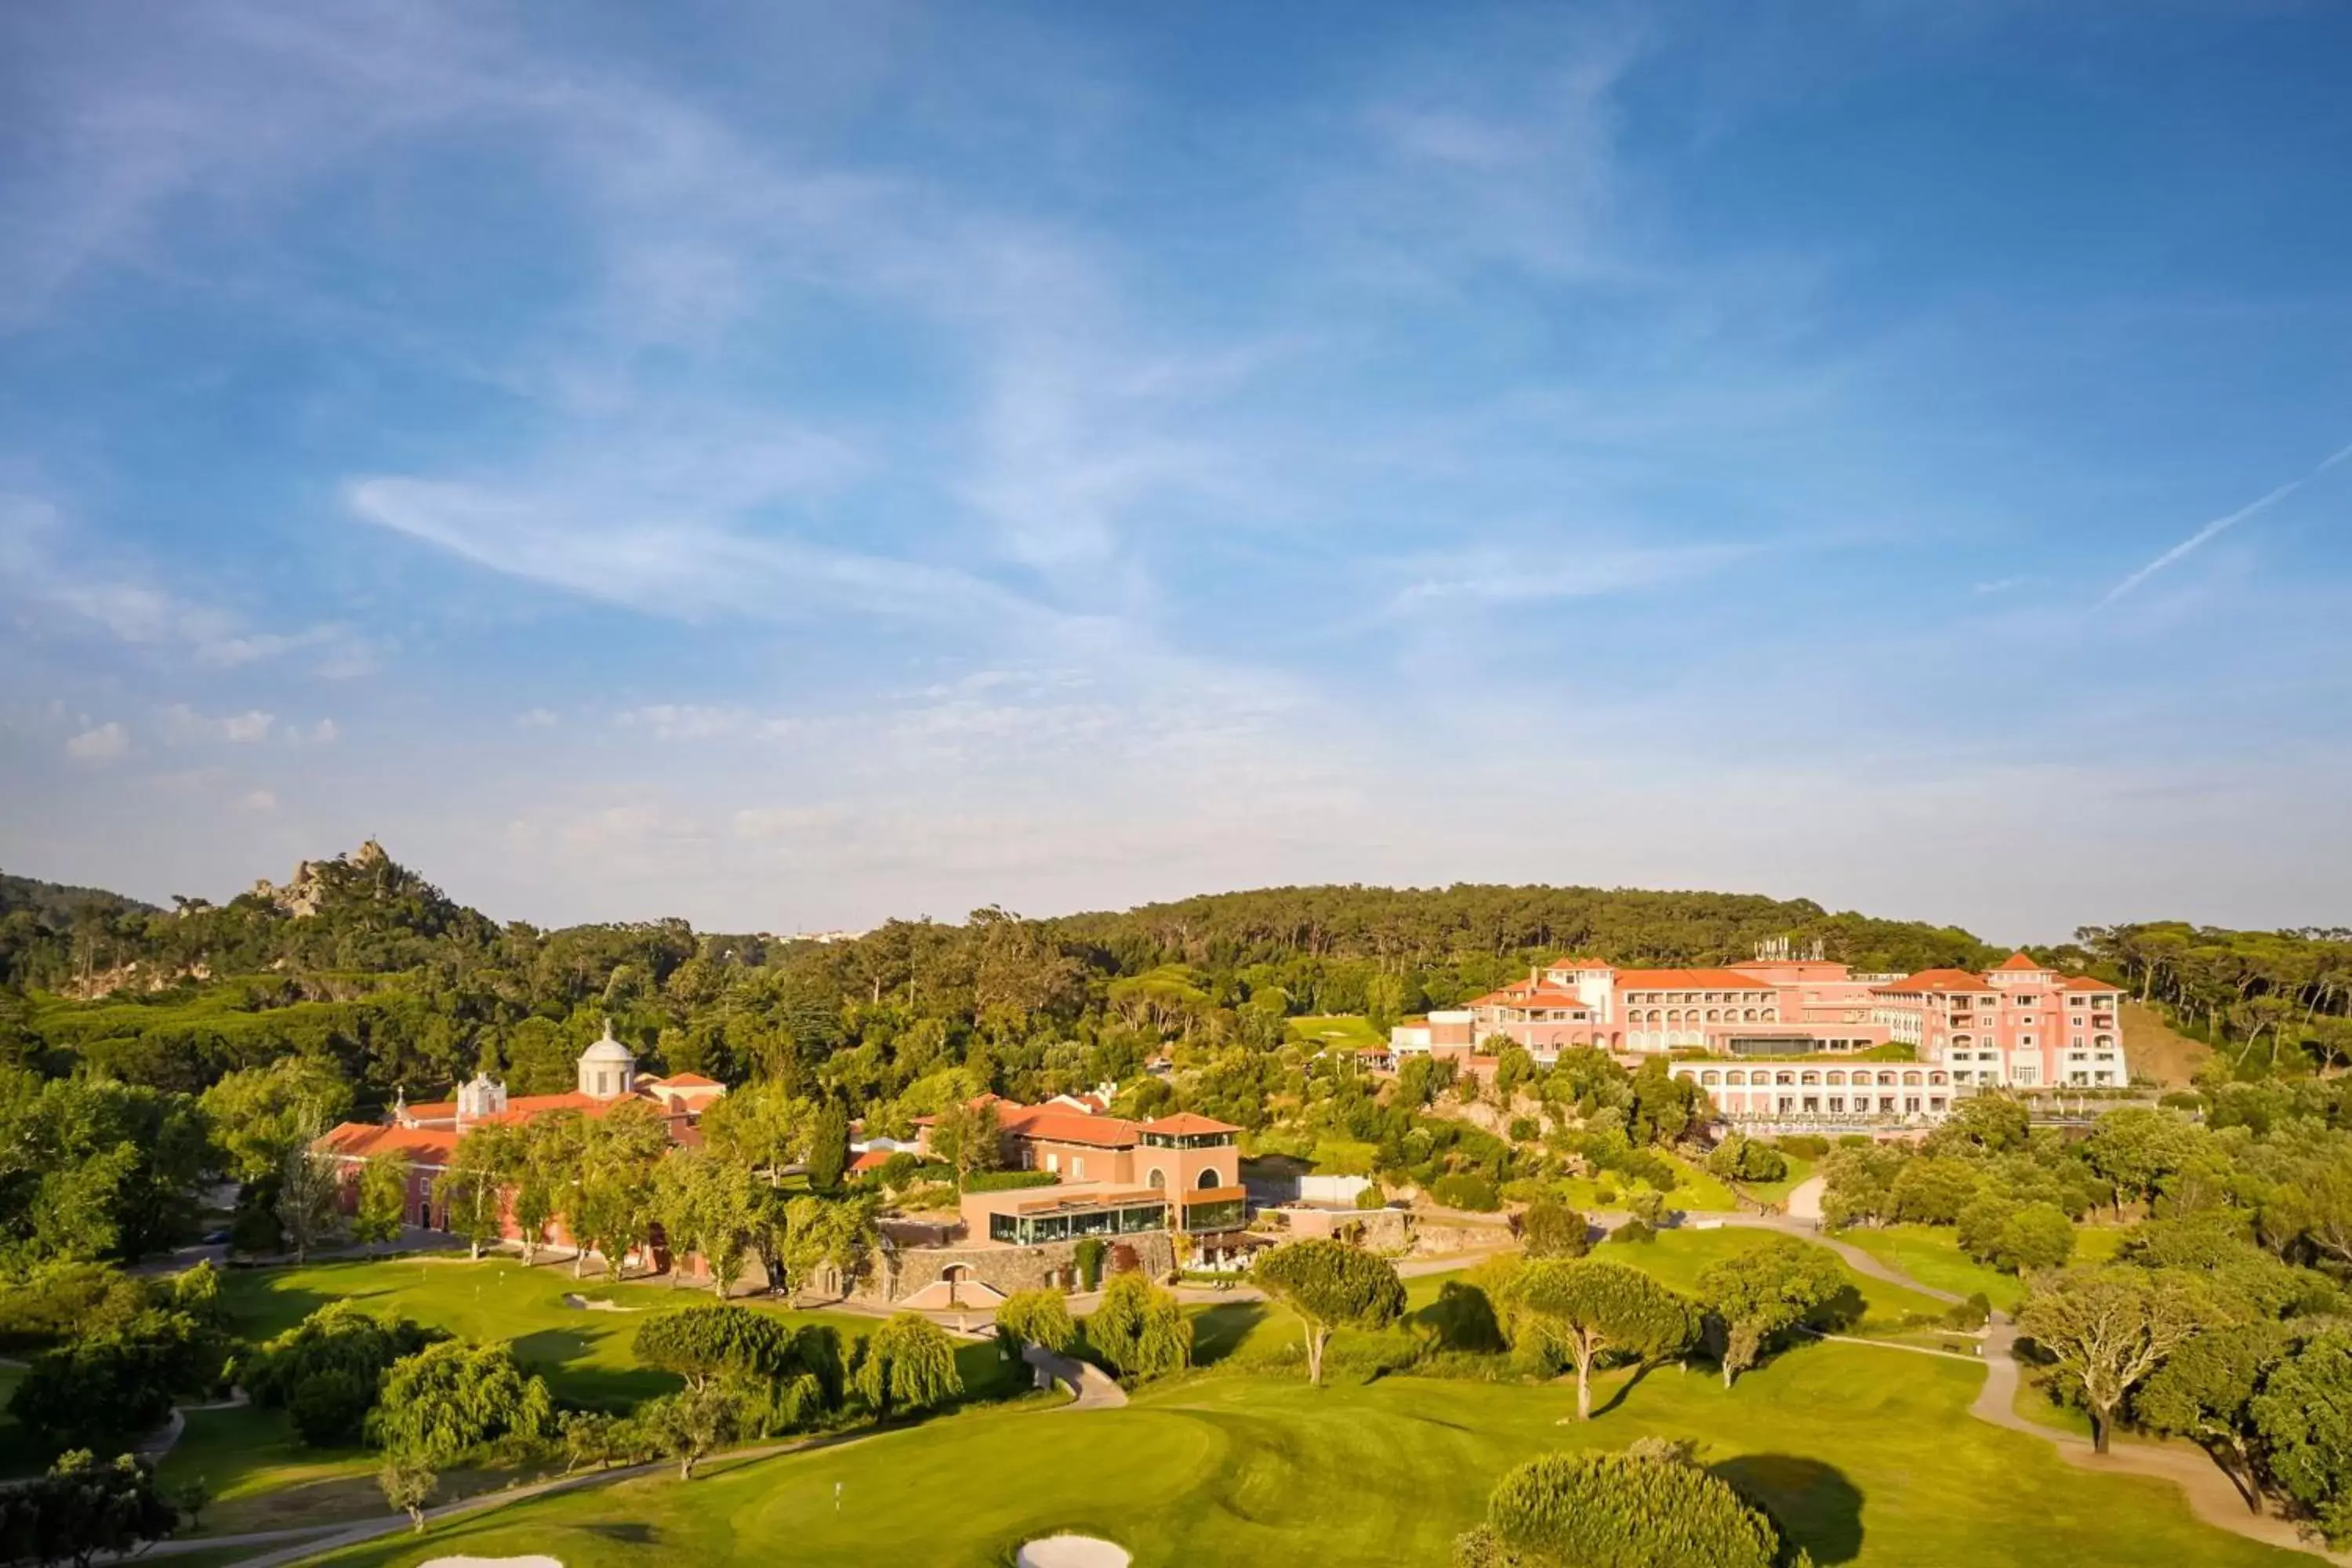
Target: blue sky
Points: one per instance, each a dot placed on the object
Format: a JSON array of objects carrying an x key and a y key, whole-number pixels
[{"x": 790, "y": 465}]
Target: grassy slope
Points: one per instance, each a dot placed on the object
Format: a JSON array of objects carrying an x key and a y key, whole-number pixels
[
  {"x": 1335, "y": 1030},
  {"x": 1932, "y": 1255},
  {"x": 1864, "y": 1453},
  {"x": 2153, "y": 1049},
  {"x": 262, "y": 1478}
]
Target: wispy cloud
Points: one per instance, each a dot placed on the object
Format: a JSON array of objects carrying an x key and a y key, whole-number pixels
[
  {"x": 1552, "y": 570},
  {"x": 2216, "y": 528},
  {"x": 74, "y": 578},
  {"x": 100, "y": 743}
]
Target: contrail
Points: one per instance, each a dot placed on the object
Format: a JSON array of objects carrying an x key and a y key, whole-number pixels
[{"x": 2219, "y": 525}]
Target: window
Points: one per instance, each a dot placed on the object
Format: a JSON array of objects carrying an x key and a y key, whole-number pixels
[
  {"x": 1209, "y": 1178},
  {"x": 1077, "y": 1167}
]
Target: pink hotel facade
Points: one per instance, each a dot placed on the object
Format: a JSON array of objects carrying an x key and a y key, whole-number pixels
[{"x": 2020, "y": 1025}]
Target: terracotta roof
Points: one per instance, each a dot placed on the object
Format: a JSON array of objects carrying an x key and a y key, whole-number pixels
[
  {"x": 1075, "y": 1127},
  {"x": 2084, "y": 983},
  {"x": 434, "y": 1110},
  {"x": 1935, "y": 979},
  {"x": 2017, "y": 961},
  {"x": 685, "y": 1080},
  {"x": 1185, "y": 1122},
  {"x": 1521, "y": 994},
  {"x": 358, "y": 1140},
  {"x": 872, "y": 1159},
  {"x": 1687, "y": 980},
  {"x": 1574, "y": 962}
]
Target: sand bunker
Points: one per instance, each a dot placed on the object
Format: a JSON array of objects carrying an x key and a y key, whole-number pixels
[
  {"x": 580, "y": 1303},
  {"x": 1068, "y": 1551}
]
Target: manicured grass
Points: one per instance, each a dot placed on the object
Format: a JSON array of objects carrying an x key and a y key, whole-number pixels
[
  {"x": 1932, "y": 1255},
  {"x": 1335, "y": 1030},
  {"x": 1799, "y": 1170},
  {"x": 1864, "y": 1454},
  {"x": 262, "y": 1478},
  {"x": 585, "y": 1355}
]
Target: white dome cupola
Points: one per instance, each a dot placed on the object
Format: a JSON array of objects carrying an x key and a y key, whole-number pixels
[{"x": 607, "y": 1069}]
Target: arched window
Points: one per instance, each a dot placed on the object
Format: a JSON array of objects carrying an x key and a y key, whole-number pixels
[
  {"x": 1772, "y": 1014},
  {"x": 1209, "y": 1178},
  {"x": 1159, "y": 1178},
  {"x": 1911, "y": 1077},
  {"x": 1888, "y": 1079},
  {"x": 1812, "y": 1078},
  {"x": 1734, "y": 1077},
  {"x": 1751, "y": 1015},
  {"x": 1837, "y": 1080},
  {"x": 1788, "y": 1078},
  {"x": 1710, "y": 1078}
]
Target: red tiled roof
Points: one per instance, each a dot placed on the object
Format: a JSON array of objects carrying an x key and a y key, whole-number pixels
[
  {"x": 1687, "y": 980},
  {"x": 1573, "y": 963},
  {"x": 2084, "y": 983},
  {"x": 686, "y": 1080},
  {"x": 1521, "y": 994},
  {"x": 872, "y": 1159},
  {"x": 1935, "y": 979},
  {"x": 2017, "y": 961},
  {"x": 1185, "y": 1122},
  {"x": 1073, "y": 1127},
  {"x": 358, "y": 1140},
  {"x": 434, "y": 1110}
]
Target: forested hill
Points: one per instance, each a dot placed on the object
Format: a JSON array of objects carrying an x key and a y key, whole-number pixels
[
  {"x": 1469, "y": 924},
  {"x": 361, "y": 961},
  {"x": 58, "y": 905}
]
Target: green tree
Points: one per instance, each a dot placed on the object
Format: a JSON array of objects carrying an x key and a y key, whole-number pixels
[
  {"x": 383, "y": 1197},
  {"x": 2303, "y": 1418},
  {"x": 1140, "y": 1329},
  {"x": 2134, "y": 1149},
  {"x": 487, "y": 1163},
  {"x": 908, "y": 1364},
  {"x": 687, "y": 1425},
  {"x": 83, "y": 1510},
  {"x": 1647, "y": 1508},
  {"x": 450, "y": 1398},
  {"x": 2205, "y": 1390},
  {"x": 1584, "y": 1310},
  {"x": 1036, "y": 1318},
  {"x": 1331, "y": 1286},
  {"x": 408, "y": 1486},
  {"x": 2108, "y": 1329},
  {"x": 1739, "y": 1158},
  {"x": 324, "y": 1371},
  {"x": 968, "y": 1139},
  {"x": 259, "y": 1115},
  {"x": 307, "y": 1194},
  {"x": 1764, "y": 1292},
  {"x": 1550, "y": 1228},
  {"x": 829, "y": 1154},
  {"x": 705, "y": 1343}
]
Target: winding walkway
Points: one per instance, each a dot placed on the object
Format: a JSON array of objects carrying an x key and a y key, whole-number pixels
[{"x": 2212, "y": 1497}]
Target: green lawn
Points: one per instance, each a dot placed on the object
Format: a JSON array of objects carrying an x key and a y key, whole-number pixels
[
  {"x": 585, "y": 1355},
  {"x": 262, "y": 1478},
  {"x": 1866, "y": 1454},
  {"x": 1932, "y": 1255},
  {"x": 1336, "y": 1029}
]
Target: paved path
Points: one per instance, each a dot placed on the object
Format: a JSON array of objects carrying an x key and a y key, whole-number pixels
[
  {"x": 1091, "y": 1387},
  {"x": 2212, "y": 1496}
]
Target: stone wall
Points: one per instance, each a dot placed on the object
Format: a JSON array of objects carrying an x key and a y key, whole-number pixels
[{"x": 899, "y": 1272}]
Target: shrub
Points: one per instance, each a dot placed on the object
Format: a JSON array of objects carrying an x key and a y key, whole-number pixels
[
  {"x": 1633, "y": 1230},
  {"x": 1525, "y": 1130},
  {"x": 1648, "y": 1208},
  {"x": 1372, "y": 1197},
  {"x": 1971, "y": 1314},
  {"x": 1552, "y": 1229},
  {"x": 1739, "y": 1158},
  {"x": 1648, "y": 1508},
  {"x": 1462, "y": 1190},
  {"x": 1089, "y": 1260},
  {"x": 1604, "y": 1195},
  {"x": 1803, "y": 1145}
]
